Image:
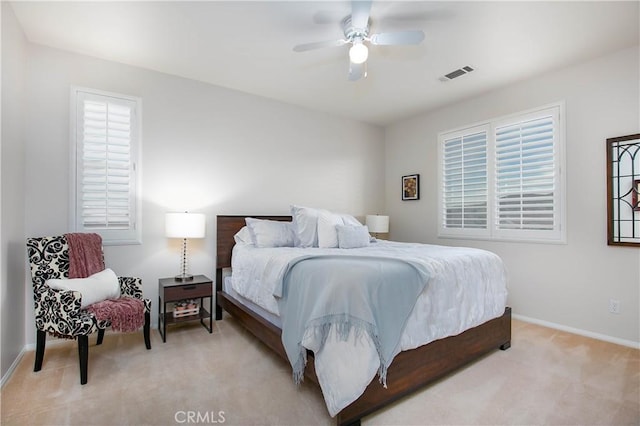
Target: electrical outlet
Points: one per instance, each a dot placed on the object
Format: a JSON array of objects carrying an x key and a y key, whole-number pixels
[{"x": 614, "y": 306}]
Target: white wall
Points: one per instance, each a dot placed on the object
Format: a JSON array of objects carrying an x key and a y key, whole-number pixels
[
  {"x": 205, "y": 149},
  {"x": 567, "y": 285},
  {"x": 12, "y": 248}
]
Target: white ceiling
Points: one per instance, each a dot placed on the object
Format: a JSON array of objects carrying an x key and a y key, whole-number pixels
[{"x": 248, "y": 45}]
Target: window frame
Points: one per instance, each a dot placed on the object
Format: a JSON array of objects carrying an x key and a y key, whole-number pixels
[
  {"x": 556, "y": 236},
  {"x": 133, "y": 234}
]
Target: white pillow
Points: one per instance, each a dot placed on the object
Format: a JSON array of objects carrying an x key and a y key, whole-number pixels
[
  {"x": 243, "y": 236},
  {"x": 305, "y": 224},
  {"x": 349, "y": 220},
  {"x": 350, "y": 236},
  {"x": 270, "y": 233},
  {"x": 327, "y": 232},
  {"x": 96, "y": 288}
]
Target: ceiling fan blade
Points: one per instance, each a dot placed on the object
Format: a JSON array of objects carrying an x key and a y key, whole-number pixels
[
  {"x": 318, "y": 45},
  {"x": 357, "y": 71},
  {"x": 401, "y": 37},
  {"x": 360, "y": 13}
]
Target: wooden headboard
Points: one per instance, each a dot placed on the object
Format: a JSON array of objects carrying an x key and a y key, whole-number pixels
[{"x": 228, "y": 226}]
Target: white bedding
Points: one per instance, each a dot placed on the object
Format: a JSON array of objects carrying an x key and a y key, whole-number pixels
[{"x": 467, "y": 288}]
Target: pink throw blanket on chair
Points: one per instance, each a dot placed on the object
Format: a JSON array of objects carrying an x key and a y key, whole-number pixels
[
  {"x": 86, "y": 258},
  {"x": 126, "y": 313},
  {"x": 85, "y": 254}
]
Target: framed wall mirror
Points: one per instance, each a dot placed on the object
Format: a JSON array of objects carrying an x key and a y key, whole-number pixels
[{"x": 623, "y": 189}]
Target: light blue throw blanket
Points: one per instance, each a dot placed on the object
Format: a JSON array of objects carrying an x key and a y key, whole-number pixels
[{"x": 370, "y": 295}]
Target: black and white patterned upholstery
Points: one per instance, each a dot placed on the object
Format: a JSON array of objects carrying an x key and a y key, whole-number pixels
[{"x": 58, "y": 312}]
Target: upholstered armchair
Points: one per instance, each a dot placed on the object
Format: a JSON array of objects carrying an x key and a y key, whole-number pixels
[{"x": 59, "y": 313}]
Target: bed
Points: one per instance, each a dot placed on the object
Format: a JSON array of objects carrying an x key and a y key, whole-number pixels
[{"x": 410, "y": 369}]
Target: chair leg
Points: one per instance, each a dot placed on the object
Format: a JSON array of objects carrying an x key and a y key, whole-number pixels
[
  {"x": 100, "y": 336},
  {"x": 41, "y": 338},
  {"x": 83, "y": 354},
  {"x": 147, "y": 326}
]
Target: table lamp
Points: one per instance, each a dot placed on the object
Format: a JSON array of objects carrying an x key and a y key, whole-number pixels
[
  {"x": 184, "y": 225},
  {"x": 377, "y": 224}
]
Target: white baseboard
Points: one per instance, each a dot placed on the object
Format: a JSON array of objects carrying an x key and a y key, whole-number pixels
[
  {"x": 580, "y": 332},
  {"x": 12, "y": 368},
  {"x": 27, "y": 348},
  {"x": 51, "y": 342}
]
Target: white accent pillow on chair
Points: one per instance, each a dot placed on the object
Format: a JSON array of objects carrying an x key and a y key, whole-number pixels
[{"x": 96, "y": 288}]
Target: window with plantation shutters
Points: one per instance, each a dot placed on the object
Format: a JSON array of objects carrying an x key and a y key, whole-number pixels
[
  {"x": 106, "y": 130},
  {"x": 525, "y": 173},
  {"x": 464, "y": 181},
  {"x": 502, "y": 179}
]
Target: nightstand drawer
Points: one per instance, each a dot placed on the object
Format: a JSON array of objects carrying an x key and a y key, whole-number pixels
[{"x": 188, "y": 291}]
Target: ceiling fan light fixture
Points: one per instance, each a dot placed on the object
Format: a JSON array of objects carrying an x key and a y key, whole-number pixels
[
  {"x": 358, "y": 53},
  {"x": 355, "y": 28}
]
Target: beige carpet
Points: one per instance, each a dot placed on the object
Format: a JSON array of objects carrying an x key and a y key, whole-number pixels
[{"x": 547, "y": 377}]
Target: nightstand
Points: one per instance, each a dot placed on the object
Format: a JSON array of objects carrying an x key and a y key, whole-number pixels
[{"x": 170, "y": 290}]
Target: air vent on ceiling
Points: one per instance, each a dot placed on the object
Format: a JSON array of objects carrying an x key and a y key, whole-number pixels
[{"x": 457, "y": 73}]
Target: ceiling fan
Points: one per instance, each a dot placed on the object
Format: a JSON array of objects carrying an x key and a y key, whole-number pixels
[{"x": 356, "y": 33}]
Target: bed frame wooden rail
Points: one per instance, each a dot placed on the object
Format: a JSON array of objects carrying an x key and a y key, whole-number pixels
[{"x": 409, "y": 371}]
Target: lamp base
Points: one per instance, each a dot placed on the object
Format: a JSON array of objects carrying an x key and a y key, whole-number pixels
[{"x": 183, "y": 277}]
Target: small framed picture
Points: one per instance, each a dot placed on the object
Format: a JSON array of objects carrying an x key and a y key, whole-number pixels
[{"x": 411, "y": 187}]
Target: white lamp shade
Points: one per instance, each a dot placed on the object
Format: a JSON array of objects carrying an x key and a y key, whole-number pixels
[
  {"x": 377, "y": 223},
  {"x": 185, "y": 225}
]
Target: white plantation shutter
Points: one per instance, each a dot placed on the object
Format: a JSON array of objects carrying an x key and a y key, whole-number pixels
[
  {"x": 464, "y": 181},
  {"x": 526, "y": 175},
  {"x": 106, "y": 146},
  {"x": 502, "y": 180}
]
